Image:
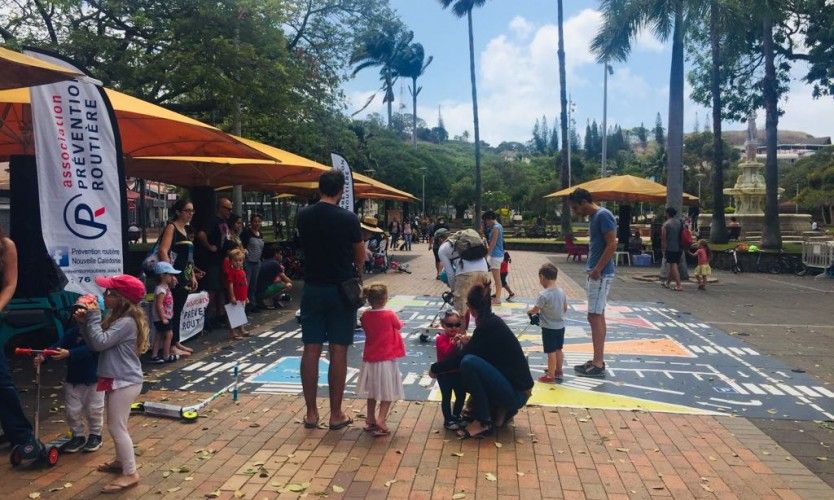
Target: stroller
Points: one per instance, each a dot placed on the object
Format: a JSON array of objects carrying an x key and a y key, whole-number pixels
[{"x": 378, "y": 262}]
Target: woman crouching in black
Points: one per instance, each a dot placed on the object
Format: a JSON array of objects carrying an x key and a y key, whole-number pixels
[{"x": 493, "y": 368}]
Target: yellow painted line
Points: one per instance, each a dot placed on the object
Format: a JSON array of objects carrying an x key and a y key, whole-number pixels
[
  {"x": 554, "y": 395},
  {"x": 560, "y": 395}
]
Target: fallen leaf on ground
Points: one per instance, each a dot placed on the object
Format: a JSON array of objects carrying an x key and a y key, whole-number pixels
[
  {"x": 458, "y": 496},
  {"x": 253, "y": 425},
  {"x": 520, "y": 474},
  {"x": 706, "y": 488},
  {"x": 490, "y": 476},
  {"x": 53, "y": 490},
  {"x": 457, "y": 454},
  {"x": 213, "y": 494},
  {"x": 338, "y": 489},
  {"x": 623, "y": 450},
  {"x": 239, "y": 494},
  {"x": 390, "y": 482},
  {"x": 822, "y": 459},
  {"x": 166, "y": 473},
  {"x": 189, "y": 478},
  {"x": 34, "y": 494},
  {"x": 67, "y": 485},
  {"x": 498, "y": 445},
  {"x": 174, "y": 489},
  {"x": 296, "y": 488}
]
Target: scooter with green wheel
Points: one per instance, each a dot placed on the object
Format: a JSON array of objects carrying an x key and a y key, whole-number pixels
[
  {"x": 48, "y": 452},
  {"x": 188, "y": 414}
]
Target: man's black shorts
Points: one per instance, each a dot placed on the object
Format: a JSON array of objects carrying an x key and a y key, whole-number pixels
[{"x": 673, "y": 257}]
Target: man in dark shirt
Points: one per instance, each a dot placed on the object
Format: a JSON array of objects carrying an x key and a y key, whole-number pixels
[
  {"x": 209, "y": 257},
  {"x": 333, "y": 253}
]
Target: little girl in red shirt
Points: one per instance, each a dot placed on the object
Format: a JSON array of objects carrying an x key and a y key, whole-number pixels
[
  {"x": 380, "y": 378},
  {"x": 238, "y": 286}
]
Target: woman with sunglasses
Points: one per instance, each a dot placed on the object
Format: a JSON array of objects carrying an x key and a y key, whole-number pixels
[
  {"x": 492, "y": 365},
  {"x": 177, "y": 248}
]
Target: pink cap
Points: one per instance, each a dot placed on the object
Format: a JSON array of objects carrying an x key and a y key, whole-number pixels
[{"x": 129, "y": 286}]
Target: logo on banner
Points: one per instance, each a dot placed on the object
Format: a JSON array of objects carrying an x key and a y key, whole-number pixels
[
  {"x": 80, "y": 219},
  {"x": 60, "y": 255}
]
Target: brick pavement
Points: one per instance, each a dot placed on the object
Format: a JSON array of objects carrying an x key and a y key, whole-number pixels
[{"x": 258, "y": 449}]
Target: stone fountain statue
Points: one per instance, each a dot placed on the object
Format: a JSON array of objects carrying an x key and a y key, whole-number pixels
[
  {"x": 749, "y": 190},
  {"x": 749, "y": 194}
]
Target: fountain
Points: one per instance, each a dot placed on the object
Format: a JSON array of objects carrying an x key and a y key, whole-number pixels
[{"x": 749, "y": 196}]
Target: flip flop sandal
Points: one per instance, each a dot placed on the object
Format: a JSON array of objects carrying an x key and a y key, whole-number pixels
[
  {"x": 370, "y": 428},
  {"x": 310, "y": 425},
  {"x": 380, "y": 432},
  {"x": 112, "y": 467},
  {"x": 341, "y": 425},
  {"x": 117, "y": 488}
]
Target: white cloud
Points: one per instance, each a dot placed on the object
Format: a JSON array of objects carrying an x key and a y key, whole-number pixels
[
  {"x": 521, "y": 27},
  {"x": 518, "y": 80},
  {"x": 647, "y": 41}
]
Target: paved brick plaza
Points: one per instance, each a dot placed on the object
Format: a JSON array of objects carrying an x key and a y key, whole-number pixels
[{"x": 258, "y": 449}]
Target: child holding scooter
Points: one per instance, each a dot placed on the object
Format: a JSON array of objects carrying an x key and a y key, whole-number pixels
[
  {"x": 83, "y": 402},
  {"x": 119, "y": 338}
]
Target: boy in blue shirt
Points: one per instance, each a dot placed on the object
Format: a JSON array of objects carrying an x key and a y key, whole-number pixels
[{"x": 82, "y": 400}]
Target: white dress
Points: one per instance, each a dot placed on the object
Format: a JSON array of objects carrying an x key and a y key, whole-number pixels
[{"x": 380, "y": 380}]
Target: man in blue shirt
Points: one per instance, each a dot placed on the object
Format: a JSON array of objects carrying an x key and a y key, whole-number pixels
[
  {"x": 495, "y": 250},
  {"x": 600, "y": 268}
]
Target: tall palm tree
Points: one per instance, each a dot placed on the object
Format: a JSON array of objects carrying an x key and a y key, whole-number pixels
[
  {"x": 464, "y": 8},
  {"x": 383, "y": 49},
  {"x": 771, "y": 232},
  {"x": 718, "y": 226},
  {"x": 622, "y": 21},
  {"x": 412, "y": 63},
  {"x": 563, "y": 118}
]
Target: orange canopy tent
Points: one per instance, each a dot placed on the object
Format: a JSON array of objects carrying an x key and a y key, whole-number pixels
[
  {"x": 20, "y": 70},
  {"x": 624, "y": 189},
  {"x": 146, "y": 130}
]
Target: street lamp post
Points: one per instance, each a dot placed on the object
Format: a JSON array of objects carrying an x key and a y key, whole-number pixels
[
  {"x": 607, "y": 70},
  {"x": 424, "y": 193}
]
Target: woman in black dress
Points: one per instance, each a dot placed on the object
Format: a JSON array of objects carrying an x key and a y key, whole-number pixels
[{"x": 177, "y": 248}]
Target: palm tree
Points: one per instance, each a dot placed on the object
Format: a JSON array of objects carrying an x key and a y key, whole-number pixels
[
  {"x": 383, "y": 49},
  {"x": 412, "y": 63},
  {"x": 622, "y": 21},
  {"x": 464, "y": 8},
  {"x": 718, "y": 226},
  {"x": 771, "y": 233},
  {"x": 563, "y": 118}
]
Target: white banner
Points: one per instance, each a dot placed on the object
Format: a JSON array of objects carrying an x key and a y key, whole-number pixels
[
  {"x": 193, "y": 315},
  {"x": 341, "y": 164},
  {"x": 80, "y": 179}
]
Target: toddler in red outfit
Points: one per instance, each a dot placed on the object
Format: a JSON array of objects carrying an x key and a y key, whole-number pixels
[
  {"x": 448, "y": 344},
  {"x": 237, "y": 285},
  {"x": 380, "y": 378}
]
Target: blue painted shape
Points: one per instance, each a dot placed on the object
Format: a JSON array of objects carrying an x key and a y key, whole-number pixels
[{"x": 288, "y": 371}]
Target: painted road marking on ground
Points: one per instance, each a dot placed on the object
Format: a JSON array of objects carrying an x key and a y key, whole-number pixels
[{"x": 697, "y": 369}]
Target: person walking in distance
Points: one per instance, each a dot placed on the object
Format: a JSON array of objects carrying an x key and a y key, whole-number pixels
[
  {"x": 334, "y": 254},
  {"x": 602, "y": 229},
  {"x": 495, "y": 250},
  {"x": 670, "y": 241}
]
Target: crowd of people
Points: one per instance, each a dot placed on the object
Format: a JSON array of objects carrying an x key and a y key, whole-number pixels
[{"x": 485, "y": 372}]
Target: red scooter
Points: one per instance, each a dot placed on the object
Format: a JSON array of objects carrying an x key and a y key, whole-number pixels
[{"x": 49, "y": 452}]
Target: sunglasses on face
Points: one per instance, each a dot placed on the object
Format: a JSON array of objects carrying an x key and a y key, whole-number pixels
[{"x": 452, "y": 325}]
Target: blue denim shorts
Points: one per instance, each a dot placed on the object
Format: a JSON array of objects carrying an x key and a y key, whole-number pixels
[
  {"x": 324, "y": 317},
  {"x": 598, "y": 294}
]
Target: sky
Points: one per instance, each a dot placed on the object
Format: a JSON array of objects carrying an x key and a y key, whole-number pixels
[{"x": 517, "y": 74}]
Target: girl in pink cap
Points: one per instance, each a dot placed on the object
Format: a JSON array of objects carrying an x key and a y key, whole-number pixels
[{"x": 120, "y": 337}]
